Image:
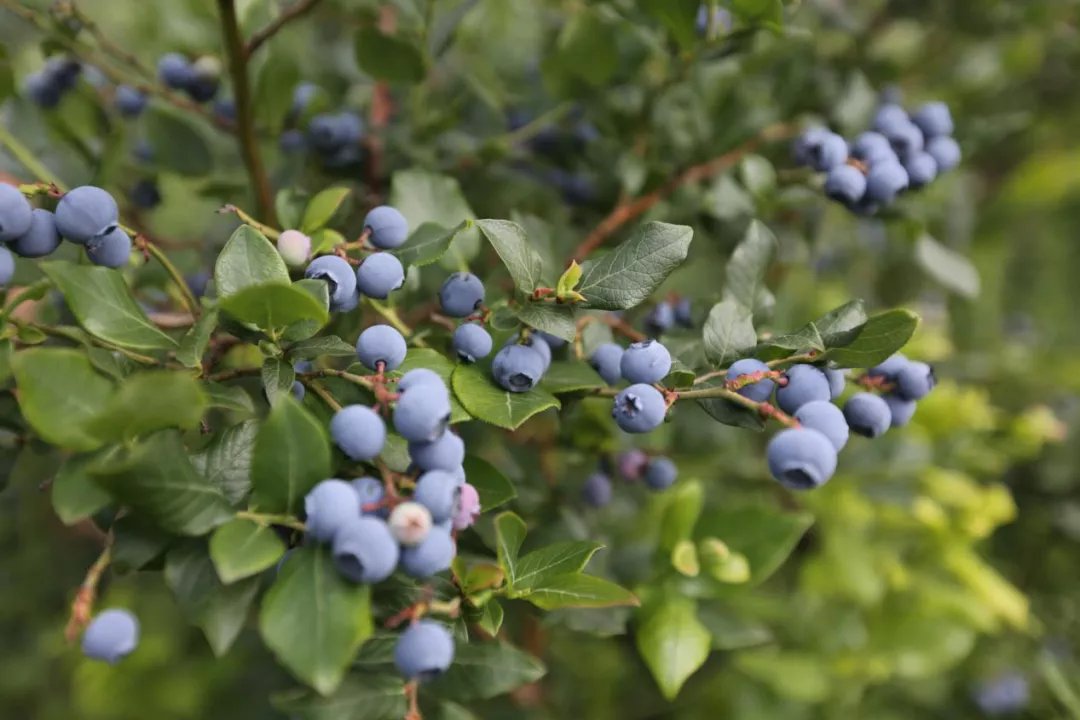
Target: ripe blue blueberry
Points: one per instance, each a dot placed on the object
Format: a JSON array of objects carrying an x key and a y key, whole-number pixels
[
  {"x": 130, "y": 102},
  {"x": 607, "y": 361},
  {"x": 945, "y": 151},
  {"x": 631, "y": 464},
  {"x": 339, "y": 277},
  {"x": 370, "y": 491},
  {"x": 329, "y": 506},
  {"x": 872, "y": 147},
  {"x": 42, "y": 90},
  {"x": 828, "y": 152},
  {"x": 420, "y": 376},
  {"x": 7, "y": 266},
  {"x": 906, "y": 139},
  {"x": 365, "y": 550},
  {"x": 647, "y": 361},
  {"x": 431, "y": 556},
  {"x": 113, "y": 249},
  {"x": 888, "y": 368},
  {"x": 379, "y": 275},
  {"x": 845, "y": 184},
  {"x": 421, "y": 415},
  {"x": 759, "y": 391},
  {"x": 225, "y": 110},
  {"x": 553, "y": 342},
  {"x": 867, "y": 414},
  {"x": 471, "y": 342},
  {"x": 145, "y": 194},
  {"x": 660, "y": 318},
  {"x": 294, "y": 247},
  {"x": 111, "y": 635},
  {"x": 885, "y": 181},
  {"x": 381, "y": 344},
  {"x": 298, "y": 390},
  {"x": 827, "y": 419},
  {"x": 86, "y": 212},
  {"x": 40, "y": 239},
  {"x": 410, "y": 523},
  {"x": 204, "y": 80},
  {"x": 921, "y": 169},
  {"x": 660, "y": 473},
  {"x": 801, "y": 458},
  {"x": 468, "y": 508},
  {"x": 535, "y": 344},
  {"x": 810, "y": 138},
  {"x": 684, "y": 315},
  {"x": 292, "y": 141},
  {"x": 889, "y": 117},
  {"x": 438, "y": 491},
  {"x": 934, "y": 119},
  {"x": 1006, "y": 694},
  {"x": 389, "y": 228},
  {"x": 597, "y": 490},
  {"x": 424, "y": 651},
  {"x": 639, "y": 408},
  {"x": 900, "y": 410},
  {"x": 351, "y": 303},
  {"x": 461, "y": 294},
  {"x": 517, "y": 368},
  {"x": 329, "y": 133},
  {"x": 837, "y": 381},
  {"x": 303, "y": 94},
  {"x": 459, "y": 475},
  {"x": 446, "y": 453},
  {"x": 63, "y": 70},
  {"x": 914, "y": 381},
  {"x": 805, "y": 383},
  {"x": 358, "y": 431},
  {"x": 175, "y": 71}
]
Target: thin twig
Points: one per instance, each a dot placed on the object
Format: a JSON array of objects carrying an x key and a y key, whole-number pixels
[
  {"x": 323, "y": 393},
  {"x": 83, "y": 606},
  {"x": 266, "y": 520},
  {"x": 293, "y": 12},
  {"x": 186, "y": 296},
  {"x": 245, "y": 218},
  {"x": 26, "y": 158},
  {"x": 109, "y": 46}
]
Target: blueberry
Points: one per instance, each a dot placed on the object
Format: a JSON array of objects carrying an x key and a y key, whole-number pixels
[
  {"x": 837, "y": 381},
  {"x": 517, "y": 368},
  {"x": 827, "y": 419},
  {"x": 389, "y": 228},
  {"x": 420, "y": 376},
  {"x": 294, "y": 247},
  {"x": 129, "y": 101},
  {"x": 111, "y": 635},
  {"x": 845, "y": 184},
  {"x": 381, "y": 344},
  {"x": 410, "y": 523},
  {"x": 934, "y": 119},
  {"x": 204, "y": 80},
  {"x": 554, "y": 343},
  {"x": 329, "y": 506},
  {"x": 64, "y": 71},
  {"x": 424, "y": 651},
  {"x": 801, "y": 458},
  {"x": 380, "y": 274},
  {"x": 631, "y": 464},
  {"x": 431, "y": 556},
  {"x": 884, "y": 181},
  {"x": 365, "y": 550},
  {"x": 298, "y": 390},
  {"x": 871, "y": 147},
  {"x": 175, "y": 71},
  {"x": 339, "y": 276},
  {"x": 292, "y": 141},
  {"x": 660, "y": 473},
  {"x": 914, "y": 381},
  {"x": 16, "y": 214},
  {"x": 828, "y": 152},
  {"x": 358, "y": 431},
  {"x": 349, "y": 304},
  {"x": 86, "y": 212},
  {"x": 684, "y": 315},
  {"x": 888, "y": 368},
  {"x": 112, "y": 249},
  {"x": 303, "y": 94},
  {"x": 422, "y": 416},
  {"x": 225, "y": 110},
  {"x": 889, "y": 117},
  {"x": 900, "y": 410},
  {"x": 906, "y": 139},
  {"x": 471, "y": 342},
  {"x": 597, "y": 490},
  {"x": 759, "y": 391},
  {"x": 7, "y": 266},
  {"x": 145, "y": 194},
  {"x": 446, "y": 453},
  {"x": 438, "y": 491},
  {"x": 42, "y": 90},
  {"x": 805, "y": 383},
  {"x": 867, "y": 414},
  {"x": 721, "y": 19},
  {"x": 639, "y": 408},
  {"x": 946, "y": 153},
  {"x": 1005, "y": 694},
  {"x": 329, "y": 133},
  {"x": 468, "y": 508},
  {"x": 197, "y": 282},
  {"x": 810, "y": 139},
  {"x": 370, "y": 491},
  {"x": 660, "y": 318},
  {"x": 143, "y": 151},
  {"x": 921, "y": 169},
  {"x": 462, "y": 294},
  {"x": 607, "y": 360},
  {"x": 647, "y": 362},
  {"x": 535, "y": 344}
]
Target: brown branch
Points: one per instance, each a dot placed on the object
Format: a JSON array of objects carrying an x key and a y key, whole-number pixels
[
  {"x": 293, "y": 12},
  {"x": 625, "y": 212}
]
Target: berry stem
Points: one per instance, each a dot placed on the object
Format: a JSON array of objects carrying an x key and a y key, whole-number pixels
[
  {"x": 323, "y": 393},
  {"x": 108, "y": 46},
  {"x": 808, "y": 356},
  {"x": 412, "y": 694},
  {"x": 267, "y": 520},
  {"x": 766, "y": 410},
  {"x": 83, "y": 605},
  {"x": 265, "y": 229},
  {"x": 57, "y": 332},
  {"x": 186, "y": 296},
  {"x": 22, "y": 153},
  {"x": 293, "y": 12}
]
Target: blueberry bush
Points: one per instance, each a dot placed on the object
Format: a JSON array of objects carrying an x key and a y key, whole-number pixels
[{"x": 500, "y": 358}]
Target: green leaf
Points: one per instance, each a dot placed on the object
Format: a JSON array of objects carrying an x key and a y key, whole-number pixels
[
  {"x": 557, "y": 320},
  {"x": 219, "y": 610},
  {"x": 678, "y": 16},
  {"x": 7, "y": 75},
  {"x": 242, "y": 548},
  {"x": 745, "y": 271},
  {"x": 360, "y": 697},
  {"x": 561, "y": 558},
  {"x": 728, "y": 413},
  {"x": 682, "y": 508},
  {"x": 277, "y": 378},
  {"x": 799, "y": 676},
  {"x": 426, "y": 197},
  {"x": 586, "y": 49},
  {"x": 292, "y": 453},
  {"x": 487, "y": 670},
  {"x": 324, "y": 240},
  {"x": 881, "y": 336},
  {"x": 427, "y": 244},
  {"x": 765, "y": 536},
  {"x": 326, "y": 345},
  {"x": 440, "y": 365},
  {"x": 137, "y": 543},
  {"x": 509, "y": 535},
  {"x": 314, "y": 620},
  {"x": 273, "y": 93},
  {"x": 59, "y": 393},
  {"x": 156, "y": 479},
  {"x": 764, "y": 12},
  {"x": 226, "y": 461},
  {"x": 389, "y": 57},
  {"x": 486, "y": 401},
  {"x": 947, "y": 267},
  {"x": 147, "y": 402},
  {"x": 580, "y": 591},
  {"x": 272, "y": 307},
  {"x": 628, "y": 275},
  {"x": 491, "y": 617},
  {"x": 194, "y": 343},
  {"x": 247, "y": 259},
  {"x": 568, "y": 281},
  {"x": 729, "y": 332},
  {"x": 322, "y": 208},
  {"x": 493, "y": 487},
  {"x": 102, "y": 303},
  {"x": 672, "y": 642},
  {"x": 290, "y": 202},
  {"x": 732, "y": 630},
  {"x": 74, "y": 495},
  {"x": 521, "y": 260},
  {"x": 228, "y": 397},
  {"x": 179, "y": 145},
  {"x": 839, "y": 327},
  {"x": 571, "y": 376}
]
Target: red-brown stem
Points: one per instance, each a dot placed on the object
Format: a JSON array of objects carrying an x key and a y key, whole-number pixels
[
  {"x": 83, "y": 605},
  {"x": 293, "y": 12}
]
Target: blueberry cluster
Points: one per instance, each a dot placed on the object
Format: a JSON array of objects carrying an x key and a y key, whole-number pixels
[
  {"x": 87, "y": 216},
  {"x": 901, "y": 152},
  {"x": 200, "y": 79},
  {"x": 640, "y": 407},
  {"x": 668, "y": 313},
  {"x": 47, "y": 86},
  {"x": 658, "y": 473},
  {"x": 805, "y": 456}
]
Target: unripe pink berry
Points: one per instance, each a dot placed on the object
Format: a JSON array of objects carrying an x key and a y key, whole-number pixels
[
  {"x": 468, "y": 508},
  {"x": 410, "y": 523},
  {"x": 295, "y": 247}
]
